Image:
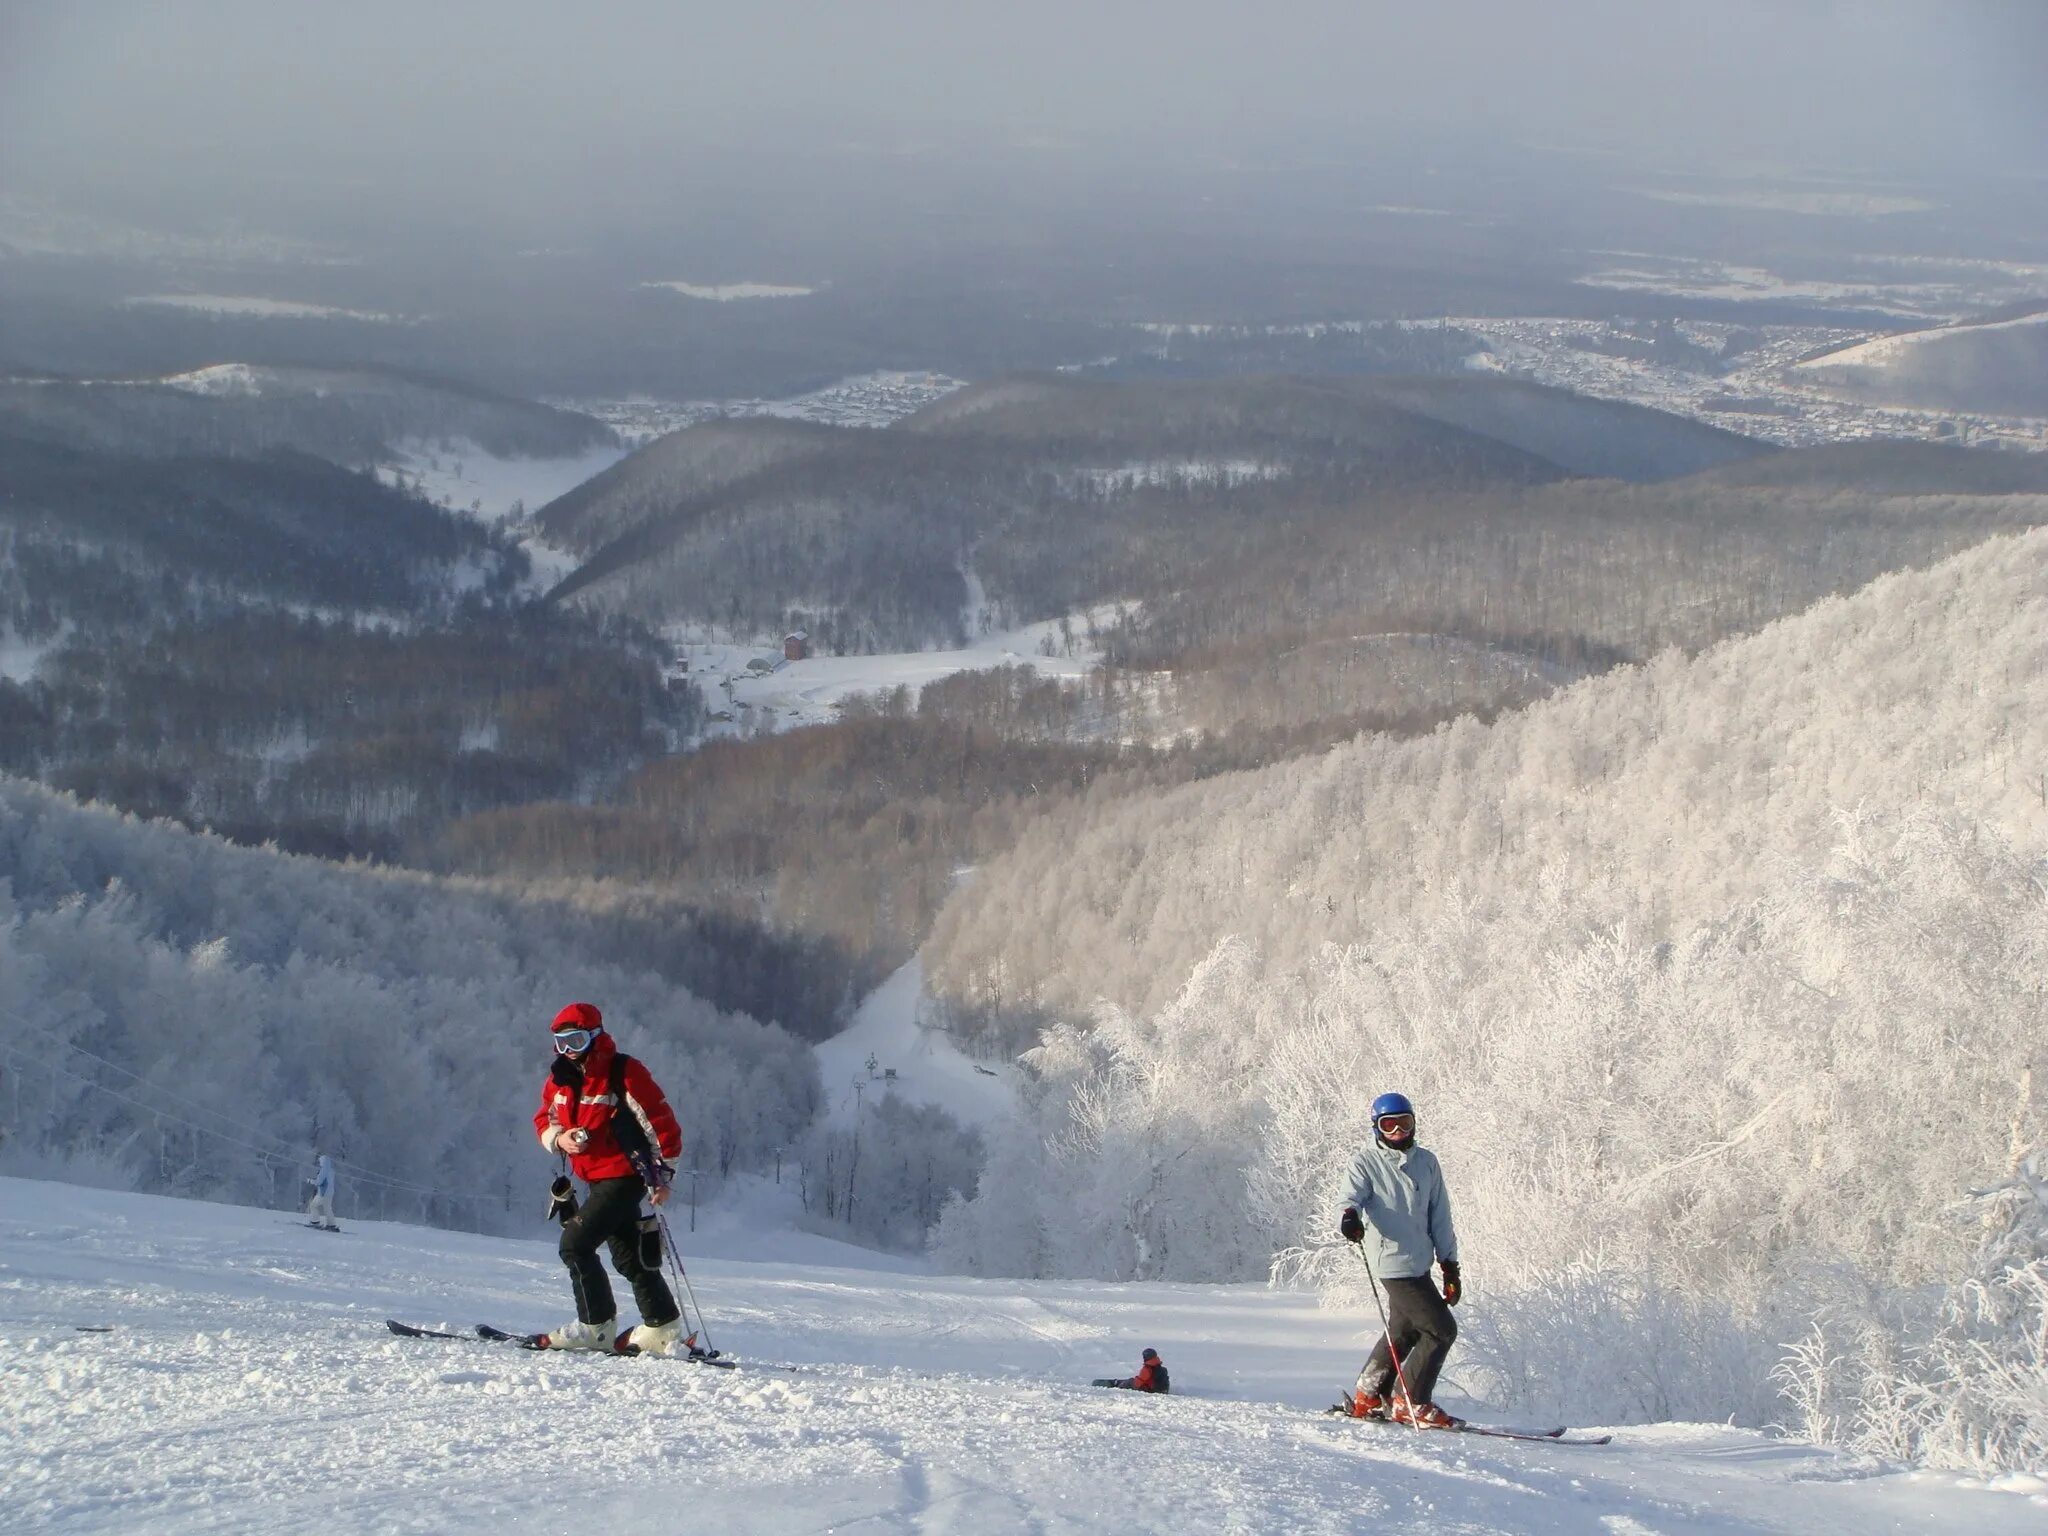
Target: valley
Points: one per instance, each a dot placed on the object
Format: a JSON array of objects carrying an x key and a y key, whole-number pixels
[{"x": 1086, "y": 641}]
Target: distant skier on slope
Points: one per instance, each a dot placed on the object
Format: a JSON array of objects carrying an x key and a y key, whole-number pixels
[
  {"x": 600, "y": 1107},
  {"x": 1397, "y": 1190},
  {"x": 320, "y": 1209},
  {"x": 1151, "y": 1376}
]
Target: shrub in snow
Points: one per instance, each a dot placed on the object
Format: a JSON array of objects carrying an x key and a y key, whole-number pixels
[{"x": 1962, "y": 1384}]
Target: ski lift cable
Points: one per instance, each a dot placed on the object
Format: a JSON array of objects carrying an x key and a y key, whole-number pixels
[
  {"x": 267, "y": 1155},
  {"x": 115, "y": 1093},
  {"x": 283, "y": 1148},
  {"x": 277, "y": 1151}
]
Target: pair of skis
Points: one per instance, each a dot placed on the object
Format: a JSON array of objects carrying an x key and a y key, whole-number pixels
[
  {"x": 488, "y": 1334},
  {"x": 1561, "y": 1435}
]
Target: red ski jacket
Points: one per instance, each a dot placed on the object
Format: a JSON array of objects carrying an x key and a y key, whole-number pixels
[
  {"x": 579, "y": 1094},
  {"x": 1151, "y": 1377}
]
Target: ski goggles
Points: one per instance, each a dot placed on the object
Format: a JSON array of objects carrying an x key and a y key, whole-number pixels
[
  {"x": 1394, "y": 1127},
  {"x": 569, "y": 1041}
]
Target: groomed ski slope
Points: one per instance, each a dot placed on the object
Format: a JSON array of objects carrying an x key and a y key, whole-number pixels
[
  {"x": 249, "y": 1385},
  {"x": 928, "y": 1068}
]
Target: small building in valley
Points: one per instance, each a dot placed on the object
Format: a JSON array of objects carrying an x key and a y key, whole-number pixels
[{"x": 796, "y": 645}]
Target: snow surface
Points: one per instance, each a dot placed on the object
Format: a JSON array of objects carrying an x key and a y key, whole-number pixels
[
  {"x": 928, "y": 1068},
  {"x": 249, "y": 1385}
]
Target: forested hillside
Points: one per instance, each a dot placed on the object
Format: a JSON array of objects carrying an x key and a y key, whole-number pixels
[
  {"x": 849, "y": 836},
  {"x": 675, "y": 471},
  {"x": 1687, "y": 775},
  {"x": 1055, "y": 493},
  {"x": 258, "y": 640},
  {"x": 353, "y": 417},
  {"x": 1717, "y": 983},
  {"x": 124, "y": 545},
  {"x": 197, "y": 1018}
]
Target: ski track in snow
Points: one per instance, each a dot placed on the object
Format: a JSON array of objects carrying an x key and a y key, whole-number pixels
[{"x": 250, "y": 1386}]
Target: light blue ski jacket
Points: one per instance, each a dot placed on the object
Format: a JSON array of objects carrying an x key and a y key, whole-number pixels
[{"x": 1406, "y": 1209}]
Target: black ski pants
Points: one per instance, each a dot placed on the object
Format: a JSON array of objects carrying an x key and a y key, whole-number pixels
[
  {"x": 1423, "y": 1328},
  {"x": 610, "y": 1214}
]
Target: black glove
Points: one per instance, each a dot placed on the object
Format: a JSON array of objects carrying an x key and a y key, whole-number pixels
[
  {"x": 1452, "y": 1289},
  {"x": 561, "y": 1199},
  {"x": 1351, "y": 1228}
]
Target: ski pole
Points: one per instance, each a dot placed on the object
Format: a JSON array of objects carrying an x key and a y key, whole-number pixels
[
  {"x": 1372, "y": 1283},
  {"x": 649, "y": 1171},
  {"x": 676, "y": 1258}
]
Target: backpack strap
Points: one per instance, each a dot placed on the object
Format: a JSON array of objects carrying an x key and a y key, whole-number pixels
[{"x": 626, "y": 1128}]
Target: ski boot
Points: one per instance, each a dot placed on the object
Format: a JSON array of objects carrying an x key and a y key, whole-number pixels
[
  {"x": 1422, "y": 1415},
  {"x": 1365, "y": 1405},
  {"x": 655, "y": 1339},
  {"x": 580, "y": 1336}
]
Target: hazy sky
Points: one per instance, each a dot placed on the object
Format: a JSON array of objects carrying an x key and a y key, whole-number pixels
[{"x": 463, "y": 99}]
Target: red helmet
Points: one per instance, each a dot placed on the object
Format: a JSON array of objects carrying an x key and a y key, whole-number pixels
[{"x": 579, "y": 1016}]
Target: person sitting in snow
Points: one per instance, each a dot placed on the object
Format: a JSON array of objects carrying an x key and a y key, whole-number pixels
[
  {"x": 604, "y": 1112},
  {"x": 1397, "y": 1191},
  {"x": 1151, "y": 1376}
]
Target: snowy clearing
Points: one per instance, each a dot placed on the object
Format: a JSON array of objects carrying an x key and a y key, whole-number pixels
[
  {"x": 928, "y": 1068},
  {"x": 768, "y": 692},
  {"x": 249, "y": 1385},
  {"x": 465, "y": 478}
]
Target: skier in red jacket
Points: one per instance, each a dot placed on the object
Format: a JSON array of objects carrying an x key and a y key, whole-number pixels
[{"x": 603, "y": 1111}]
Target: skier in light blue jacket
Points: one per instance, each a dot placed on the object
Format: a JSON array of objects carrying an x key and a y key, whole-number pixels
[
  {"x": 1400, "y": 1213},
  {"x": 320, "y": 1209}
]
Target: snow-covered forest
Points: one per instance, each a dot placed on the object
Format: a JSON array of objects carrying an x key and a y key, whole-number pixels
[
  {"x": 191, "y": 1017},
  {"x": 1718, "y": 982}
]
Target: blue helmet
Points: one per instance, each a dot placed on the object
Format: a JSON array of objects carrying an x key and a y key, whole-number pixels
[{"x": 1391, "y": 1104}]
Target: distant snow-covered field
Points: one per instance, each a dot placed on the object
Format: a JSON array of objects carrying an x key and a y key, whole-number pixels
[
  {"x": 781, "y": 695},
  {"x": 725, "y": 293},
  {"x": 244, "y": 306},
  {"x": 468, "y": 479},
  {"x": 247, "y": 1384},
  {"x": 1838, "y": 203}
]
